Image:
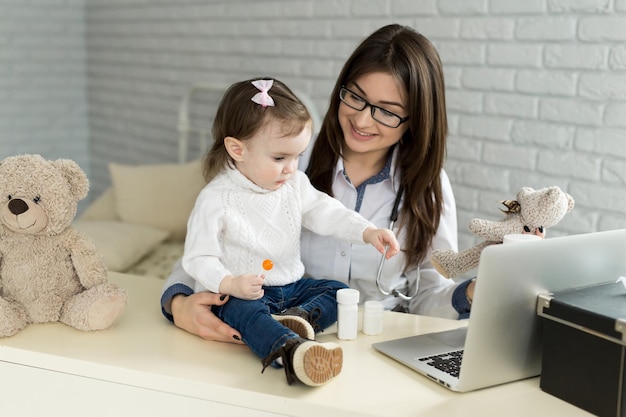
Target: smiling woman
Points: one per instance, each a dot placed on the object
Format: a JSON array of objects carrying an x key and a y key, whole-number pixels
[
  {"x": 368, "y": 137},
  {"x": 397, "y": 73}
]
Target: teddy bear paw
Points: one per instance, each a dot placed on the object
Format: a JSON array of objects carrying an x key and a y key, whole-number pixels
[
  {"x": 13, "y": 318},
  {"x": 104, "y": 312},
  {"x": 96, "y": 308},
  {"x": 442, "y": 261}
]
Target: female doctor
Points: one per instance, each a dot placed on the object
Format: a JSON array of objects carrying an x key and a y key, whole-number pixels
[{"x": 380, "y": 151}]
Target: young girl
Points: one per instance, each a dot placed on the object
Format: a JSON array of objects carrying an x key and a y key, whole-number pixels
[{"x": 251, "y": 212}]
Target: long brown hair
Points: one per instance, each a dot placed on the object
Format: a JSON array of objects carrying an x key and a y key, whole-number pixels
[
  {"x": 412, "y": 59},
  {"x": 240, "y": 117}
]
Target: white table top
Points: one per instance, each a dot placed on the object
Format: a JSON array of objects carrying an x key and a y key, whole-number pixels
[{"x": 144, "y": 350}]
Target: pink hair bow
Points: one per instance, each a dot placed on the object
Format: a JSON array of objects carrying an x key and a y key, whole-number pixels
[{"x": 263, "y": 98}]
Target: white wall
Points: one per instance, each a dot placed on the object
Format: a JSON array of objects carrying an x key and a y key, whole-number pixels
[
  {"x": 536, "y": 88},
  {"x": 43, "y": 105}
]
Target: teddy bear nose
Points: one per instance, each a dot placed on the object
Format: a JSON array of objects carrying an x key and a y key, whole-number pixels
[{"x": 18, "y": 206}]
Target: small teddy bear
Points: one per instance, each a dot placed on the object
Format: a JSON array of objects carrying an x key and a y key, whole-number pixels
[
  {"x": 532, "y": 212},
  {"x": 49, "y": 271}
]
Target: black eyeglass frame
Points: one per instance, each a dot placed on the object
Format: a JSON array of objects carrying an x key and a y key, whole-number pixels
[{"x": 372, "y": 107}]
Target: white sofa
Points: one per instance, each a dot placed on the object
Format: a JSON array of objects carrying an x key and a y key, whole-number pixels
[{"x": 139, "y": 223}]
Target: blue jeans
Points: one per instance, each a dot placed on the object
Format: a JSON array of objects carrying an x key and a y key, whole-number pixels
[{"x": 263, "y": 334}]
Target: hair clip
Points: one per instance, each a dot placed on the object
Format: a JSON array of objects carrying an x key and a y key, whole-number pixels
[{"x": 263, "y": 98}]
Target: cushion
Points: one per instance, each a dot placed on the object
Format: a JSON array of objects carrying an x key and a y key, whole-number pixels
[
  {"x": 159, "y": 262},
  {"x": 102, "y": 208},
  {"x": 159, "y": 195},
  {"x": 121, "y": 244}
]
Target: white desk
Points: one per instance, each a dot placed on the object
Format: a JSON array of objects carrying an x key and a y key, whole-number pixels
[{"x": 145, "y": 366}]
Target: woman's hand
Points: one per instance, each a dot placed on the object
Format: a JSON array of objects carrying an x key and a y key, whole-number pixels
[
  {"x": 193, "y": 314},
  {"x": 539, "y": 231}
]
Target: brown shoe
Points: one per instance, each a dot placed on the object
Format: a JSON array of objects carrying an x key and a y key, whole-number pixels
[
  {"x": 300, "y": 326},
  {"x": 310, "y": 362},
  {"x": 303, "y": 323}
]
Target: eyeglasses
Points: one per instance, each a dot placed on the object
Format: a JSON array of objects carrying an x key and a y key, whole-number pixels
[{"x": 382, "y": 116}]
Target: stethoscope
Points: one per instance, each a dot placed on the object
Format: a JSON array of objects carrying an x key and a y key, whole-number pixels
[{"x": 392, "y": 221}]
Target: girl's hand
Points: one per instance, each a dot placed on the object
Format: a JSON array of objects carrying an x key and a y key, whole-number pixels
[
  {"x": 384, "y": 240},
  {"x": 246, "y": 286}
]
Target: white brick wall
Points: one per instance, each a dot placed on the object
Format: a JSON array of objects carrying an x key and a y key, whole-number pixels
[
  {"x": 43, "y": 105},
  {"x": 536, "y": 88}
]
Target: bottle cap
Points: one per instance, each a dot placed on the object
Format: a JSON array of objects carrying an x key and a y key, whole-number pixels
[
  {"x": 373, "y": 306},
  {"x": 518, "y": 237},
  {"x": 348, "y": 296}
]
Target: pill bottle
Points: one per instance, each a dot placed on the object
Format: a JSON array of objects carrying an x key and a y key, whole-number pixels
[
  {"x": 347, "y": 313},
  {"x": 372, "y": 318}
]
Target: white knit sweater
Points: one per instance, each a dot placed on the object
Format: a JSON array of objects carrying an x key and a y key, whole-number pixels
[{"x": 235, "y": 225}]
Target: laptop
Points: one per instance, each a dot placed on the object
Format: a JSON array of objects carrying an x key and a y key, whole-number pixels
[{"x": 502, "y": 342}]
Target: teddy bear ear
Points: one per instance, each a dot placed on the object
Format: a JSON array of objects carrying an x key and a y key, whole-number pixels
[
  {"x": 524, "y": 191},
  {"x": 570, "y": 202},
  {"x": 75, "y": 176}
]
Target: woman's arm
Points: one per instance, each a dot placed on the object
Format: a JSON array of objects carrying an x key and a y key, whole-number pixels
[
  {"x": 178, "y": 282},
  {"x": 441, "y": 297},
  {"x": 192, "y": 312}
]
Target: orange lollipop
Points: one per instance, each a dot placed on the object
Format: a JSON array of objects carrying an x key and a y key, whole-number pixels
[{"x": 268, "y": 264}]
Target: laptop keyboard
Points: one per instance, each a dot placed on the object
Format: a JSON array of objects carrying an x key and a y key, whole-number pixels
[{"x": 449, "y": 363}]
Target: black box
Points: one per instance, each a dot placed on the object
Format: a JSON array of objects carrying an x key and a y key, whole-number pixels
[{"x": 584, "y": 347}]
